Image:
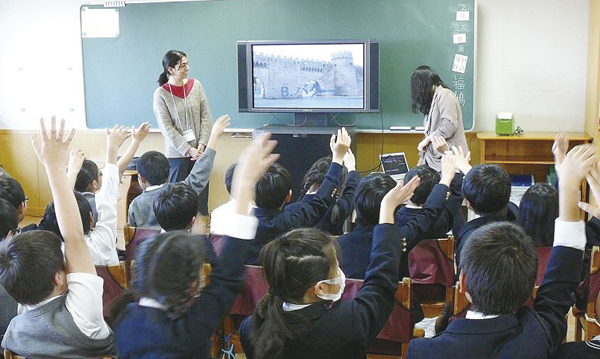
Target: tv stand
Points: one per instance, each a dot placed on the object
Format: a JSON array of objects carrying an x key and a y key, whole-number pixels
[{"x": 312, "y": 119}]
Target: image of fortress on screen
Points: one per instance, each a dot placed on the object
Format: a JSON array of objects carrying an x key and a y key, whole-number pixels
[{"x": 321, "y": 78}]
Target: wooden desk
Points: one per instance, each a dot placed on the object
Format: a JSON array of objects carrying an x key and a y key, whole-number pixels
[{"x": 530, "y": 153}]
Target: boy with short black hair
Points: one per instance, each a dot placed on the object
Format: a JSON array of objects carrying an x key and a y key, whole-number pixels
[
  {"x": 153, "y": 171},
  {"x": 61, "y": 294},
  {"x": 447, "y": 219},
  {"x": 371, "y": 191},
  {"x": 497, "y": 275},
  {"x": 176, "y": 208},
  {"x": 274, "y": 189},
  {"x": 12, "y": 191},
  {"x": 9, "y": 219},
  {"x": 487, "y": 191}
]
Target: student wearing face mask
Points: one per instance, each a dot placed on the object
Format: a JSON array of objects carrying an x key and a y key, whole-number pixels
[{"x": 301, "y": 317}]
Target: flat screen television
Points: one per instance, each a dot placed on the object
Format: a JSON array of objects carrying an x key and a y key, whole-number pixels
[{"x": 309, "y": 78}]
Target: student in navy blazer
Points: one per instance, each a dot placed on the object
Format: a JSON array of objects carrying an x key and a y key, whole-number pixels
[
  {"x": 333, "y": 220},
  {"x": 274, "y": 189},
  {"x": 300, "y": 316},
  {"x": 487, "y": 191},
  {"x": 498, "y": 272},
  {"x": 171, "y": 320}
]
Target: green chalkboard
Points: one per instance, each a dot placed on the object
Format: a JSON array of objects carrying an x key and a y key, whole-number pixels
[{"x": 120, "y": 73}]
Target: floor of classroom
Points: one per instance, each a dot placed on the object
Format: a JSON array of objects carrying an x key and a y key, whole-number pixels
[{"x": 121, "y": 245}]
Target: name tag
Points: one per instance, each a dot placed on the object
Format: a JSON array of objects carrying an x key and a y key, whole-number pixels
[{"x": 189, "y": 135}]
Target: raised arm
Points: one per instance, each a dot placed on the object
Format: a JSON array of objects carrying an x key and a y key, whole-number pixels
[
  {"x": 137, "y": 136},
  {"x": 114, "y": 140},
  {"x": 227, "y": 279},
  {"x": 200, "y": 173},
  {"x": 562, "y": 273},
  {"x": 52, "y": 150},
  {"x": 375, "y": 300},
  {"x": 75, "y": 162}
]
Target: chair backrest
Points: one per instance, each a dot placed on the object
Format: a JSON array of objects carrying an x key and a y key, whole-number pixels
[
  {"x": 133, "y": 237},
  {"x": 593, "y": 291},
  {"x": 10, "y": 355},
  {"x": 399, "y": 326},
  {"x": 543, "y": 255},
  {"x": 254, "y": 289},
  {"x": 116, "y": 281},
  {"x": 432, "y": 262}
]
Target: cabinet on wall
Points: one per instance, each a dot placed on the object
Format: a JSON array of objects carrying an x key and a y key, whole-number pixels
[{"x": 530, "y": 153}]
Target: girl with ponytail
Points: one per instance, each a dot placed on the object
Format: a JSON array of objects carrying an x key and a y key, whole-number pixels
[
  {"x": 163, "y": 314},
  {"x": 301, "y": 317}
]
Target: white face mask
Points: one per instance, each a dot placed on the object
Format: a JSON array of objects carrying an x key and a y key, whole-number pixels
[{"x": 340, "y": 281}]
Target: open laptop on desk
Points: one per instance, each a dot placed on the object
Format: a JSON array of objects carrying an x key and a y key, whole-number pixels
[{"x": 394, "y": 164}]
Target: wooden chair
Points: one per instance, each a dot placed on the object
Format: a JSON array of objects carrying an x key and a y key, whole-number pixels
[
  {"x": 134, "y": 236},
  {"x": 431, "y": 266},
  {"x": 10, "y": 355},
  {"x": 254, "y": 289},
  {"x": 587, "y": 324},
  {"x": 116, "y": 281},
  {"x": 392, "y": 341}
]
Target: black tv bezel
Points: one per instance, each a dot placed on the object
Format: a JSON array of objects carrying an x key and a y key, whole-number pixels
[{"x": 371, "y": 72}]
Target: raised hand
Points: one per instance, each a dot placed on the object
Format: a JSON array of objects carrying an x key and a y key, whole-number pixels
[
  {"x": 52, "y": 149},
  {"x": 339, "y": 145},
  {"x": 75, "y": 162},
  {"x": 462, "y": 160},
  {"x": 350, "y": 160},
  {"x": 448, "y": 168},
  {"x": 217, "y": 130},
  {"x": 593, "y": 179},
  {"x": 76, "y": 159},
  {"x": 140, "y": 134},
  {"x": 395, "y": 197},
  {"x": 577, "y": 164},
  {"x": 559, "y": 148}
]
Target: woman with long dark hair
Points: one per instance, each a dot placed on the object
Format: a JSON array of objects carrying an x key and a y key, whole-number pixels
[
  {"x": 443, "y": 115},
  {"x": 181, "y": 110}
]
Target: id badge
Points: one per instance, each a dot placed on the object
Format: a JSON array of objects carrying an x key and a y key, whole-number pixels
[{"x": 189, "y": 135}]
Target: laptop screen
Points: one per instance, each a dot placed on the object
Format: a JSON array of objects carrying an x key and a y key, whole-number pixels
[{"x": 394, "y": 164}]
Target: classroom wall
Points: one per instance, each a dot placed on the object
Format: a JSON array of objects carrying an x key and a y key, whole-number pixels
[
  {"x": 542, "y": 78},
  {"x": 532, "y": 60}
]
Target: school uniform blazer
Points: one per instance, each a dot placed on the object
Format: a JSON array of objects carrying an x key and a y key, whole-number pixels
[
  {"x": 144, "y": 332},
  {"x": 273, "y": 222},
  {"x": 345, "y": 205},
  {"x": 579, "y": 350},
  {"x": 355, "y": 245},
  {"x": 530, "y": 333},
  {"x": 438, "y": 229},
  {"x": 345, "y": 329}
]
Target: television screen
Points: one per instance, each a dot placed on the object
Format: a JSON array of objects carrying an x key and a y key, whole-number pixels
[{"x": 322, "y": 76}]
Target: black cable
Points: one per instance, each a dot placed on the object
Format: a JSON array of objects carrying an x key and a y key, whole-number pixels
[{"x": 378, "y": 167}]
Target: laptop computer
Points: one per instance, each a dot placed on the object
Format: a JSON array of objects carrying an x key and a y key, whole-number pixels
[{"x": 394, "y": 164}]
